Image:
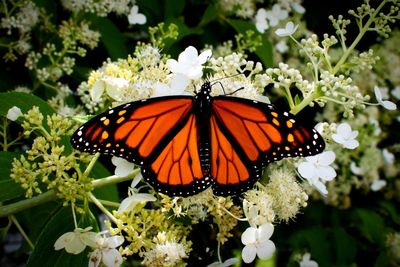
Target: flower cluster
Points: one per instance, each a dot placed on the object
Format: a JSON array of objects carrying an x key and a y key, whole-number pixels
[{"x": 47, "y": 162}]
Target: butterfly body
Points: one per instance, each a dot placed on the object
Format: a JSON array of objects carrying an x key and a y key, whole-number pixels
[{"x": 185, "y": 144}]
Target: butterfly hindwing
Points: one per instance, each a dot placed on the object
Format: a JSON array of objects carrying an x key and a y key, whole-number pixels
[{"x": 177, "y": 171}]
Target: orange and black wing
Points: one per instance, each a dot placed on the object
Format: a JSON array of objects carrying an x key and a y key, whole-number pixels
[
  {"x": 246, "y": 135},
  {"x": 159, "y": 134}
]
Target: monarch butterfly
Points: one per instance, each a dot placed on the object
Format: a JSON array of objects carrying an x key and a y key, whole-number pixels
[{"x": 185, "y": 144}]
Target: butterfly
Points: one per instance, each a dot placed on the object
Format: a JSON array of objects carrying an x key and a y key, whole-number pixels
[{"x": 185, "y": 144}]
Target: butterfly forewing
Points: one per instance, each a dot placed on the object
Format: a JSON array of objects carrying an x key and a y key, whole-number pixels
[{"x": 136, "y": 131}]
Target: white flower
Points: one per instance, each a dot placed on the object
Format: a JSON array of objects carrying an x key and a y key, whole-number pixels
[
  {"x": 345, "y": 136},
  {"x": 177, "y": 87},
  {"x": 75, "y": 242},
  {"x": 189, "y": 63},
  {"x": 106, "y": 252},
  {"x": 396, "y": 92},
  {"x": 307, "y": 262},
  {"x": 355, "y": 169},
  {"x": 228, "y": 262},
  {"x": 135, "y": 17},
  {"x": 377, "y": 185},
  {"x": 316, "y": 168},
  {"x": 384, "y": 103},
  {"x": 134, "y": 197},
  {"x": 13, "y": 113},
  {"x": 281, "y": 46},
  {"x": 256, "y": 241},
  {"x": 289, "y": 29},
  {"x": 114, "y": 86},
  {"x": 298, "y": 8},
  {"x": 388, "y": 157},
  {"x": 172, "y": 251},
  {"x": 276, "y": 14},
  {"x": 122, "y": 166},
  {"x": 261, "y": 20}
]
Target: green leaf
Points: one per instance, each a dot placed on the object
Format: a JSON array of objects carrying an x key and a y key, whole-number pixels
[
  {"x": 109, "y": 192},
  {"x": 344, "y": 246},
  {"x": 23, "y": 101},
  {"x": 8, "y": 188},
  {"x": 209, "y": 15},
  {"x": 44, "y": 254},
  {"x": 113, "y": 40},
  {"x": 264, "y": 51},
  {"x": 317, "y": 239},
  {"x": 371, "y": 225},
  {"x": 173, "y": 8},
  {"x": 391, "y": 211}
]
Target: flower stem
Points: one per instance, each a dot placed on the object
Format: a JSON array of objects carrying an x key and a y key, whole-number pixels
[
  {"x": 51, "y": 195},
  {"x": 21, "y": 230},
  {"x": 363, "y": 30},
  {"x": 102, "y": 208},
  {"x": 304, "y": 103}
]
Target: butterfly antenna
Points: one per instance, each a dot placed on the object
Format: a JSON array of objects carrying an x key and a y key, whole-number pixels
[{"x": 226, "y": 77}]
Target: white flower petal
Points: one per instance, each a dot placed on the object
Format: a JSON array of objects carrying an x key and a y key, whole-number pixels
[
  {"x": 172, "y": 65},
  {"x": 265, "y": 231},
  {"x": 204, "y": 56},
  {"x": 97, "y": 90},
  {"x": 378, "y": 93},
  {"x": 95, "y": 258},
  {"x": 326, "y": 158},
  {"x": 307, "y": 262},
  {"x": 326, "y": 173},
  {"x": 388, "y": 156},
  {"x": 355, "y": 169},
  {"x": 136, "y": 180},
  {"x": 378, "y": 185},
  {"x": 130, "y": 202},
  {"x": 321, "y": 187},
  {"x": 389, "y": 105},
  {"x": 114, "y": 241},
  {"x": 298, "y": 8},
  {"x": 351, "y": 144},
  {"x": 307, "y": 170},
  {"x": 63, "y": 240},
  {"x": 112, "y": 258},
  {"x": 13, "y": 113},
  {"x": 338, "y": 138},
  {"x": 249, "y": 236},
  {"x": 179, "y": 84},
  {"x": 89, "y": 238},
  {"x": 122, "y": 166},
  {"x": 249, "y": 253},
  {"x": 344, "y": 129},
  {"x": 266, "y": 249}
]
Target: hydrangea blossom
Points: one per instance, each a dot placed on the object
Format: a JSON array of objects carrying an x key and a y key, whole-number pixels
[
  {"x": 13, "y": 113},
  {"x": 316, "y": 170},
  {"x": 114, "y": 86},
  {"x": 384, "y": 103},
  {"x": 106, "y": 252},
  {"x": 281, "y": 46},
  {"x": 345, "y": 136},
  {"x": 75, "y": 242},
  {"x": 177, "y": 86},
  {"x": 276, "y": 14},
  {"x": 261, "y": 20},
  {"x": 307, "y": 262},
  {"x": 289, "y": 29},
  {"x": 377, "y": 185},
  {"x": 189, "y": 63},
  {"x": 122, "y": 166},
  {"x": 135, "y": 17},
  {"x": 134, "y": 197},
  {"x": 256, "y": 241}
]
